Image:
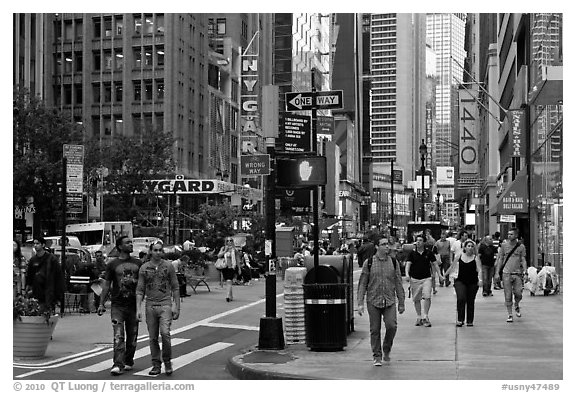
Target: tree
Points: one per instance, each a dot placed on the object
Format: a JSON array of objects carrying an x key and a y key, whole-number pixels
[
  {"x": 39, "y": 134},
  {"x": 129, "y": 162}
]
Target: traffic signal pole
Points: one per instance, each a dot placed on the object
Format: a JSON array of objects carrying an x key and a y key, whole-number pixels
[
  {"x": 315, "y": 193},
  {"x": 271, "y": 333}
]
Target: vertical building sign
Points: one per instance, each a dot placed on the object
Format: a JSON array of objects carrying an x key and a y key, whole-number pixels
[
  {"x": 429, "y": 129},
  {"x": 74, "y": 155},
  {"x": 468, "y": 133},
  {"x": 517, "y": 132},
  {"x": 250, "y": 118}
]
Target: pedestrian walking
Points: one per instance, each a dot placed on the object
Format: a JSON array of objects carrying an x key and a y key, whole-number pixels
[
  {"x": 511, "y": 267},
  {"x": 121, "y": 278},
  {"x": 469, "y": 269},
  {"x": 158, "y": 284},
  {"x": 497, "y": 243},
  {"x": 429, "y": 244},
  {"x": 44, "y": 277},
  {"x": 487, "y": 252},
  {"x": 419, "y": 267},
  {"x": 443, "y": 249},
  {"x": 232, "y": 258},
  {"x": 381, "y": 284}
]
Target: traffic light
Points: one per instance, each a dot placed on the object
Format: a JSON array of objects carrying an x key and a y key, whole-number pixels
[{"x": 301, "y": 171}]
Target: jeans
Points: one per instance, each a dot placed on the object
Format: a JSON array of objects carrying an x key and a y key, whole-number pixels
[
  {"x": 465, "y": 298},
  {"x": 159, "y": 320},
  {"x": 375, "y": 315},
  {"x": 487, "y": 275},
  {"x": 125, "y": 327},
  {"x": 513, "y": 285}
]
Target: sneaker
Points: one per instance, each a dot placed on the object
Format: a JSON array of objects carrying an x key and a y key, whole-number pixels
[
  {"x": 377, "y": 362},
  {"x": 459, "y": 324},
  {"x": 386, "y": 356},
  {"x": 168, "y": 368},
  {"x": 517, "y": 309},
  {"x": 116, "y": 371},
  {"x": 418, "y": 322},
  {"x": 434, "y": 292},
  {"x": 426, "y": 322},
  {"x": 155, "y": 371},
  {"x": 128, "y": 367},
  {"x": 469, "y": 324},
  {"x": 510, "y": 319}
]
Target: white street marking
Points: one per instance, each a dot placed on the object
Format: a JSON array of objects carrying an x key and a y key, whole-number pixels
[
  {"x": 29, "y": 373},
  {"x": 95, "y": 368},
  {"x": 231, "y": 326},
  {"x": 191, "y": 357}
]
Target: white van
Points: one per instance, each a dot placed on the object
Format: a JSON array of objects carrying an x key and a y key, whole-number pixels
[{"x": 100, "y": 236}]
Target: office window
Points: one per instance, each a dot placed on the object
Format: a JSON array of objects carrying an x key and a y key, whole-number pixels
[
  {"x": 159, "y": 121},
  {"x": 108, "y": 60},
  {"x": 118, "y": 91},
  {"x": 68, "y": 63},
  {"x": 107, "y": 92},
  {"x": 148, "y": 122},
  {"x": 160, "y": 24},
  {"x": 160, "y": 89},
  {"x": 160, "y": 55},
  {"x": 137, "y": 57},
  {"x": 58, "y": 63},
  {"x": 107, "y": 121},
  {"x": 78, "y": 94},
  {"x": 97, "y": 61},
  {"x": 148, "y": 90},
  {"x": 78, "y": 61},
  {"x": 119, "y": 25},
  {"x": 118, "y": 125},
  {"x": 138, "y": 25},
  {"x": 97, "y": 28},
  {"x": 137, "y": 91},
  {"x": 67, "y": 94},
  {"x": 118, "y": 60},
  {"x": 96, "y": 92},
  {"x": 68, "y": 30},
  {"x": 58, "y": 31},
  {"x": 148, "y": 24},
  {"x": 78, "y": 29},
  {"x": 148, "y": 56},
  {"x": 108, "y": 27}
]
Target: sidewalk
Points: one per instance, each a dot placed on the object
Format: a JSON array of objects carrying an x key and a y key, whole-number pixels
[{"x": 530, "y": 348}]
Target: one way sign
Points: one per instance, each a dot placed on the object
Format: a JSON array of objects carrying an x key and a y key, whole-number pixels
[{"x": 302, "y": 101}]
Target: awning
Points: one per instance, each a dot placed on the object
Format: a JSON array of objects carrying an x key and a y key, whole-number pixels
[{"x": 514, "y": 200}]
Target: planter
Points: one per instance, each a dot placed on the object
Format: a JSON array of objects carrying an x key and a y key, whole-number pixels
[{"x": 32, "y": 335}]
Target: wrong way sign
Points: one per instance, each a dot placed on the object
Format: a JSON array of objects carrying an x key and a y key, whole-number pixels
[
  {"x": 302, "y": 101},
  {"x": 257, "y": 164}
]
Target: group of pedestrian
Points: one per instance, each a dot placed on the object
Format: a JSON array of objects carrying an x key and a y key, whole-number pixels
[
  {"x": 130, "y": 282},
  {"x": 470, "y": 266}
]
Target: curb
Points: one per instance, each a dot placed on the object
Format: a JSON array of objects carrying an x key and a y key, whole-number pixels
[{"x": 243, "y": 371}]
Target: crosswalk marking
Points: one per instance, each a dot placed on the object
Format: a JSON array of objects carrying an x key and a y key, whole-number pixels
[
  {"x": 191, "y": 357},
  {"x": 232, "y": 326},
  {"x": 29, "y": 373},
  {"x": 139, "y": 354}
]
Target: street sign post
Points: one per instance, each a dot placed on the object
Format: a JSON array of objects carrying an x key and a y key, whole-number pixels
[
  {"x": 257, "y": 164},
  {"x": 302, "y": 101}
]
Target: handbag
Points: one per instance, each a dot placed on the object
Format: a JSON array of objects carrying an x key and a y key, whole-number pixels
[
  {"x": 220, "y": 264},
  {"x": 507, "y": 258}
]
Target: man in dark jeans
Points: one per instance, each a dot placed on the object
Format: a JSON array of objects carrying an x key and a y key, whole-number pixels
[
  {"x": 487, "y": 252},
  {"x": 121, "y": 278}
]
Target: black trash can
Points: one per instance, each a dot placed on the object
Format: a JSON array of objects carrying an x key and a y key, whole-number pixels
[{"x": 325, "y": 310}]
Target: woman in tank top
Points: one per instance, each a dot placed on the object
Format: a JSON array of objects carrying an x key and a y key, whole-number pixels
[{"x": 469, "y": 268}]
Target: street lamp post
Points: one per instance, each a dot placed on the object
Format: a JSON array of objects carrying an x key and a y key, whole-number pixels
[
  {"x": 438, "y": 206},
  {"x": 423, "y": 152}
]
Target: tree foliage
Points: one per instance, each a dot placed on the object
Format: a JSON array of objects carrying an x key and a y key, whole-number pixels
[{"x": 38, "y": 136}]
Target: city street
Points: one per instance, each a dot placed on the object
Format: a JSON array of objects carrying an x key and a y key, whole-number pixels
[{"x": 208, "y": 333}]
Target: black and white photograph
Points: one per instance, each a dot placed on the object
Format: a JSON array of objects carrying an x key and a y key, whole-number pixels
[{"x": 203, "y": 198}]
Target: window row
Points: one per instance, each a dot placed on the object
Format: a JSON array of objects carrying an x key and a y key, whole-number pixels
[
  {"x": 114, "y": 125},
  {"x": 143, "y": 24}
]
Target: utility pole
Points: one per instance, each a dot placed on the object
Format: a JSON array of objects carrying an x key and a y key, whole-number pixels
[
  {"x": 315, "y": 193},
  {"x": 392, "y": 232}
]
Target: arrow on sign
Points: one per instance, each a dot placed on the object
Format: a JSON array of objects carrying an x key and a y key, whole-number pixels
[{"x": 299, "y": 101}]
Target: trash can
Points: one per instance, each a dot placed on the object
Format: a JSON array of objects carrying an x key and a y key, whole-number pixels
[{"x": 325, "y": 309}]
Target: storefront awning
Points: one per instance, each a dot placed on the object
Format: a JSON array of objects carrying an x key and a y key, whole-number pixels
[{"x": 514, "y": 200}]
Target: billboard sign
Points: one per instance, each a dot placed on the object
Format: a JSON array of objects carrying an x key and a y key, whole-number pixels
[
  {"x": 295, "y": 133},
  {"x": 445, "y": 175}
]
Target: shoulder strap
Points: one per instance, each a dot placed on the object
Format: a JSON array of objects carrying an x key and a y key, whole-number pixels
[{"x": 510, "y": 254}]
